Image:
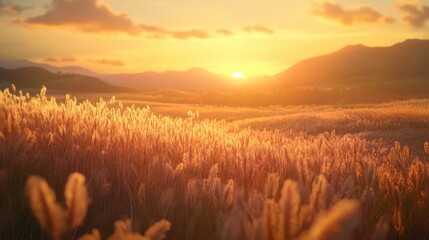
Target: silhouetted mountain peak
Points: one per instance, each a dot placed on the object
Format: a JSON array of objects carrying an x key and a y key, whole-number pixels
[
  {"x": 409, "y": 42},
  {"x": 35, "y": 77},
  {"x": 358, "y": 64},
  {"x": 350, "y": 49},
  {"x": 54, "y": 69},
  {"x": 355, "y": 47},
  {"x": 31, "y": 71},
  {"x": 415, "y": 45}
]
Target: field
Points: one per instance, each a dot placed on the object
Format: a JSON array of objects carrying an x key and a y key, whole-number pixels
[{"x": 213, "y": 172}]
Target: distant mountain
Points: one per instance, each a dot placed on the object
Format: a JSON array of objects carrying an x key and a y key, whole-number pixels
[
  {"x": 50, "y": 68},
  {"x": 193, "y": 79},
  {"x": 36, "y": 77},
  {"x": 405, "y": 63},
  {"x": 402, "y": 63}
]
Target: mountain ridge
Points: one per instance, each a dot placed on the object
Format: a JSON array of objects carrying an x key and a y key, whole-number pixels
[
  {"x": 20, "y": 77},
  {"x": 358, "y": 64},
  {"x": 401, "y": 63}
]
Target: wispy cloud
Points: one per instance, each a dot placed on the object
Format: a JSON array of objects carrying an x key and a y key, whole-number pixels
[
  {"x": 6, "y": 8},
  {"x": 258, "y": 29},
  {"x": 357, "y": 15},
  {"x": 225, "y": 32},
  {"x": 85, "y": 15},
  {"x": 184, "y": 34},
  {"x": 159, "y": 32},
  {"x": 115, "y": 63},
  {"x": 64, "y": 59},
  {"x": 413, "y": 14},
  {"x": 96, "y": 16},
  {"x": 50, "y": 59},
  {"x": 67, "y": 59}
]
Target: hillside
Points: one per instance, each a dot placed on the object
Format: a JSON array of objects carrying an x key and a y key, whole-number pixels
[
  {"x": 192, "y": 79},
  {"x": 401, "y": 63},
  {"x": 35, "y": 77}
]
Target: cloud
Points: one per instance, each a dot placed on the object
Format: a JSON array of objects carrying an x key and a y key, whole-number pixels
[
  {"x": 115, "y": 63},
  {"x": 159, "y": 32},
  {"x": 11, "y": 9},
  {"x": 362, "y": 14},
  {"x": 85, "y": 15},
  {"x": 258, "y": 29},
  {"x": 413, "y": 15},
  {"x": 67, "y": 59},
  {"x": 225, "y": 32},
  {"x": 195, "y": 33},
  {"x": 64, "y": 59},
  {"x": 50, "y": 60},
  {"x": 96, "y": 16}
]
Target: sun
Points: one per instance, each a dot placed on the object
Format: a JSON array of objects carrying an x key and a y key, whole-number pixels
[{"x": 238, "y": 75}]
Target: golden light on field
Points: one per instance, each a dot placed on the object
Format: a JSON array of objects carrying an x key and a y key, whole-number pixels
[{"x": 238, "y": 75}]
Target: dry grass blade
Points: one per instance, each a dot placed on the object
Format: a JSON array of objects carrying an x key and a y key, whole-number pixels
[
  {"x": 123, "y": 232},
  {"x": 94, "y": 235},
  {"x": 290, "y": 202},
  {"x": 338, "y": 223},
  {"x": 270, "y": 220},
  {"x": 321, "y": 193},
  {"x": 381, "y": 230},
  {"x": 77, "y": 201},
  {"x": 47, "y": 210},
  {"x": 157, "y": 230},
  {"x": 215, "y": 179}
]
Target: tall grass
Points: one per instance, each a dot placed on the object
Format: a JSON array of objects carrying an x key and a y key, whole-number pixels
[{"x": 210, "y": 179}]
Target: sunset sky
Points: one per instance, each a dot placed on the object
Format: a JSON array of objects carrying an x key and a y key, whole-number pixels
[{"x": 222, "y": 36}]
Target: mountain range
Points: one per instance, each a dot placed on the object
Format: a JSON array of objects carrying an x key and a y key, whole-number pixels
[
  {"x": 192, "y": 79},
  {"x": 356, "y": 65}
]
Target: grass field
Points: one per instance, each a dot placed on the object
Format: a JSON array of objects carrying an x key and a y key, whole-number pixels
[{"x": 297, "y": 172}]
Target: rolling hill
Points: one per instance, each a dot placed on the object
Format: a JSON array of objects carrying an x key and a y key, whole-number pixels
[
  {"x": 192, "y": 79},
  {"x": 68, "y": 69},
  {"x": 36, "y": 77},
  {"x": 403, "y": 63}
]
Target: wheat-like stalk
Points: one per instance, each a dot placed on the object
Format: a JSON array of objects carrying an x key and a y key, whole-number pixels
[
  {"x": 47, "y": 210},
  {"x": 381, "y": 230},
  {"x": 216, "y": 179},
  {"x": 77, "y": 201},
  {"x": 338, "y": 223},
  {"x": 123, "y": 232},
  {"x": 157, "y": 230},
  {"x": 289, "y": 203},
  {"x": 94, "y": 235}
]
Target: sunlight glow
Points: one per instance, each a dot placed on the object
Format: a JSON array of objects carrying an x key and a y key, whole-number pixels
[{"x": 238, "y": 75}]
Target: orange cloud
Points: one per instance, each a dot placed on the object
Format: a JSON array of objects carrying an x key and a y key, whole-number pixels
[
  {"x": 115, "y": 63},
  {"x": 85, "y": 15},
  {"x": 50, "y": 60},
  {"x": 196, "y": 33},
  {"x": 67, "y": 59},
  {"x": 64, "y": 59},
  {"x": 159, "y": 32},
  {"x": 10, "y": 9},
  {"x": 97, "y": 16},
  {"x": 413, "y": 15},
  {"x": 225, "y": 32},
  {"x": 258, "y": 29},
  {"x": 363, "y": 14}
]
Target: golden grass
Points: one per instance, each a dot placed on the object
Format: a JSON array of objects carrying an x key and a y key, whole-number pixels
[{"x": 211, "y": 179}]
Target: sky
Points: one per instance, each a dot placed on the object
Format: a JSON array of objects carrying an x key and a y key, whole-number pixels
[{"x": 257, "y": 37}]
